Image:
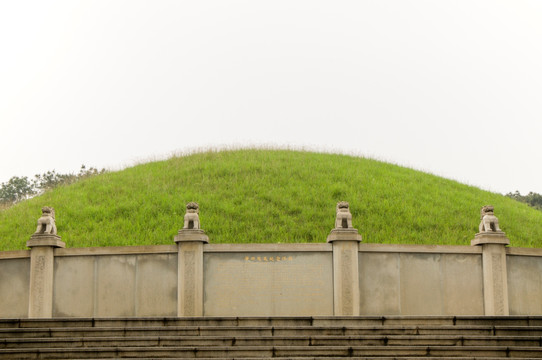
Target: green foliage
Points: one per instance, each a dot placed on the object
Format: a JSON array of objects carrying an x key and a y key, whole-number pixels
[
  {"x": 267, "y": 196},
  {"x": 52, "y": 179},
  {"x": 532, "y": 199},
  {"x": 16, "y": 189},
  {"x": 21, "y": 188}
]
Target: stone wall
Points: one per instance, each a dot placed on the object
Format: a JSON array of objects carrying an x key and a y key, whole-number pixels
[
  {"x": 111, "y": 282},
  {"x": 269, "y": 279},
  {"x": 420, "y": 280},
  {"x": 14, "y": 283},
  {"x": 266, "y": 280},
  {"x": 340, "y": 277},
  {"x": 524, "y": 271}
]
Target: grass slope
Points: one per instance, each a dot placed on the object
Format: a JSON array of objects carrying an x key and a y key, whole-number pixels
[{"x": 267, "y": 196}]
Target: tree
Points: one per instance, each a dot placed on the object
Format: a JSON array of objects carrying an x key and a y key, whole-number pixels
[
  {"x": 16, "y": 189},
  {"x": 51, "y": 179},
  {"x": 20, "y": 188},
  {"x": 532, "y": 199}
]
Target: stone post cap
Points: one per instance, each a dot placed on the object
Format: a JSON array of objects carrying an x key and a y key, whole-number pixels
[
  {"x": 344, "y": 235},
  {"x": 344, "y": 231},
  {"x": 498, "y": 237},
  {"x": 191, "y": 235},
  {"x": 191, "y": 230},
  {"x": 45, "y": 240}
]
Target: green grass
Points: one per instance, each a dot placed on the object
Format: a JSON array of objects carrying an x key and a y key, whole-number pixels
[{"x": 267, "y": 196}]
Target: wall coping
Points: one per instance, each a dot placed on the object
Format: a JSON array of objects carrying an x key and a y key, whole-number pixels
[
  {"x": 289, "y": 247},
  {"x": 118, "y": 250},
  {"x": 16, "y": 254},
  {"x": 517, "y": 251},
  {"x": 401, "y": 248},
  {"x": 303, "y": 247}
]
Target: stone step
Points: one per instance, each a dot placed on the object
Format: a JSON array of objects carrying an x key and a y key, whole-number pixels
[
  {"x": 271, "y": 337},
  {"x": 273, "y": 352},
  {"x": 340, "y": 358},
  {"x": 319, "y": 340},
  {"x": 233, "y": 331},
  {"x": 277, "y": 321}
]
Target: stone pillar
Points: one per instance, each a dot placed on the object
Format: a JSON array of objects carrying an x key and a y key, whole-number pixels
[
  {"x": 345, "y": 240},
  {"x": 493, "y": 242},
  {"x": 190, "y": 240},
  {"x": 42, "y": 244}
]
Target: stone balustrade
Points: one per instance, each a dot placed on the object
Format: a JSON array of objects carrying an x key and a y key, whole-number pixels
[{"x": 342, "y": 277}]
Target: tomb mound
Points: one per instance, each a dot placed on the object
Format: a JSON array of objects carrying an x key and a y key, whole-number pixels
[{"x": 267, "y": 196}]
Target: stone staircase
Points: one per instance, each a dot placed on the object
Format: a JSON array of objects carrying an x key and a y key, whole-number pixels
[{"x": 366, "y": 337}]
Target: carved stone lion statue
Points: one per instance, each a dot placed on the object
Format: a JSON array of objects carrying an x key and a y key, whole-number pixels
[
  {"x": 191, "y": 218},
  {"x": 344, "y": 217},
  {"x": 489, "y": 222},
  {"x": 46, "y": 223}
]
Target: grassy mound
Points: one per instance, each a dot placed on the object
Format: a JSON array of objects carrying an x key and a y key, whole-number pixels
[{"x": 267, "y": 196}]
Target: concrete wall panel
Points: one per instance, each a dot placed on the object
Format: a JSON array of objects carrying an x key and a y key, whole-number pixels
[
  {"x": 272, "y": 279},
  {"x": 524, "y": 285},
  {"x": 14, "y": 287},
  {"x": 115, "y": 286},
  {"x": 420, "y": 284},
  {"x": 74, "y": 286},
  {"x": 156, "y": 290},
  {"x": 421, "y": 291},
  {"x": 266, "y": 284},
  {"x": 462, "y": 284},
  {"x": 379, "y": 284}
]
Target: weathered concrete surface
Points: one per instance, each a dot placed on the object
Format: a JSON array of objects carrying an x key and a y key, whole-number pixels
[
  {"x": 524, "y": 285},
  {"x": 345, "y": 277},
  {"x": 190, "y": 240},
  {"x": 115, "y": 286},
  {"x": 190, "y": 278},
  {"x": 379, "y": 284},
  {"x": 462, "y": 284},
  {"x": 142, "y": 285},
  {"x": 282, "y": 248},
  {"x": 156, "y": 285},
  {"x": 493, "y": 243},
  {"x": 402, "y": 282},
  {"x": 436, "y": 337},
  {"x": 74, "y": 286},
  {"x": 118, "y": 250},
  {"x": 155, "y": 274},
  {"x": 420, "y": 284},
  {"x": 40, "y": 298},
  {"x": 14, "y": 280},
  {"x": 495, "y": 280},
  {"x": 345, "y": 239},
  {"x": 268, "y": 284}
]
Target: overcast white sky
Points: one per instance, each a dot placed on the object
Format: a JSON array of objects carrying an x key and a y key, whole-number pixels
[{"x": 449, "y": 87}]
